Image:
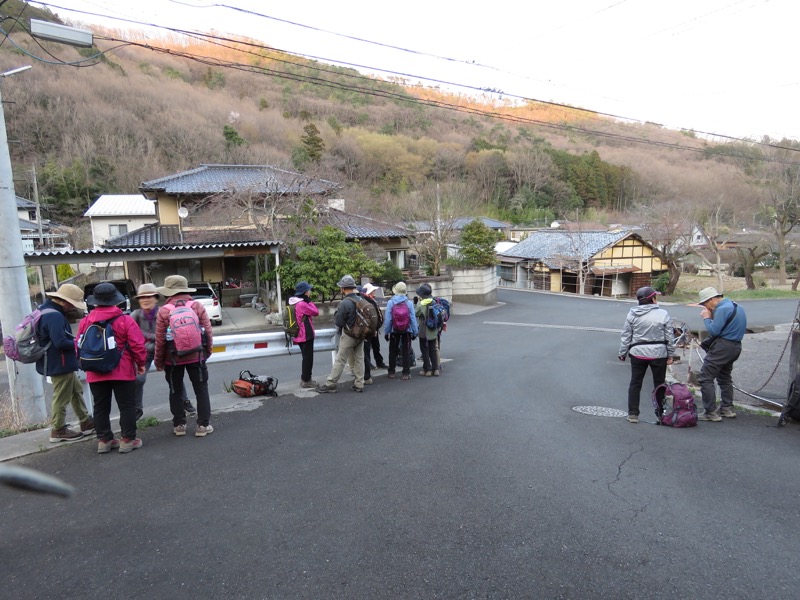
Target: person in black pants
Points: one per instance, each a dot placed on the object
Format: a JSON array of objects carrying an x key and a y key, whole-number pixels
[
  {"x": 373, "y": 343},
  {"x": 305, "y": 311},
  {"x": 649, "y": 339}
]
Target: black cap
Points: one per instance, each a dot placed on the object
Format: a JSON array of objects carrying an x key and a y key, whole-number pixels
[{"x": 645, "y": 293}]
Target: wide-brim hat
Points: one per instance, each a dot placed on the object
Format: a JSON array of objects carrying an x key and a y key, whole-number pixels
[
  {"x": 347, "y": 282},
  {"x": 70, "y": 293},
  {"x": 302, "y": 287},
  {"x": 105, "y": 294},
  {"x": 399, "y": 288},
  {"x": 175, "y": 284},
  {"x": 146, "y": 289},
  {"x": 707, "y": 294},
  {"x": 424, "y": 290},
  {"x": 370, "y": 289}
]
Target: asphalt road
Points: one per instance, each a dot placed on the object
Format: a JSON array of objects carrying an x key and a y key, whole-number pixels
[{"x": 482, "y": 483}]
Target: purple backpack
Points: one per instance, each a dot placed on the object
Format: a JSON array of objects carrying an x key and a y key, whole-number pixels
[
  {"x": 683, "y": 412},
  {"x": 23, "y": 346},
  {"x": 401, "y": 317}
]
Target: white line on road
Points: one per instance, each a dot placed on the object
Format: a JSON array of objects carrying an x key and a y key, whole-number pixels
[{"x": 544, "y": 326}]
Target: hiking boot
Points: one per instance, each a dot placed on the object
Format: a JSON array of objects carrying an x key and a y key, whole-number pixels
[
  {"x": 406, "y": 377},
  {"x": 709, "y": 416},
  {"x": 727, "y": 412},
  {"x": 326, "y": 389},
  {"x": 308, "y": 384},
  {"x": 87, "y": 426},
  {"x": 633, "y": 418},
  {"x": 189, "y": 408},
  {"x": 128, "y": 445},
  {"x": 436, "y": 373},
  {"x": 357, "y": 389},
  {"x": 65, "y": 434},
  {"x": 179, "y": 429},
  {"x": 369, "y": 381},
  {"x": 391, "y": 375},
  {"x": 203, "y": 430},
  {"x": 106, "y": 447},
  {"x": 424, "y": 373}
]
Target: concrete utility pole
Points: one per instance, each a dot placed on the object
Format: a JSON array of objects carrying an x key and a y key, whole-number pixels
[{"x": 27, "y": 391}]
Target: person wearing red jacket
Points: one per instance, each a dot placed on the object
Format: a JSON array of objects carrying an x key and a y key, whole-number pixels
[
  {"x": 177, "y": 291},
  {"x": 305, "y": 311},
  {"x": 121, "y": 381}
]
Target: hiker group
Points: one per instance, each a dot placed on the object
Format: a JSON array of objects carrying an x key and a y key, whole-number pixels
[
  {"x": 648, "y": 339},
  {"x": 359, "y": 322},
  {"x": 116, "y": 350}
]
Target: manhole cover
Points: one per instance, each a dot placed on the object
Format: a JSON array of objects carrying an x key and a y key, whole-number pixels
[{"x": 600, "y": 411}]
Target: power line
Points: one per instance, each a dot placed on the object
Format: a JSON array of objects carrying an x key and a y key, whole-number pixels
[{"x": 216, "y": 39}]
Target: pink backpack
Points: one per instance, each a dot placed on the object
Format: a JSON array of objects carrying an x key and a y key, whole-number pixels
[
  {"x": 683, "y": 412},
  {"x": 184, "y": 333},
  {"x": 401, "y": 317}
]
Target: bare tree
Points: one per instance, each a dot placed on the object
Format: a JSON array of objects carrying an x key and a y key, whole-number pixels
[
  {"x": 668, "y": 227},
  {"x": 750, "y": 251}
]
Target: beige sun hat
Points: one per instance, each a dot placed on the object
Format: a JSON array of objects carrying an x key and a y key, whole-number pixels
[
  {"x": 400, "y": 288},
  {"x": 175, "y": 284},
  {"x": 70, "y": 293},
  {"x": 146, "y": 289},
  {"x": 707, "y": 294}
]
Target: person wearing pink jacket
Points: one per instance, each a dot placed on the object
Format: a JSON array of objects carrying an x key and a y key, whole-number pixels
[
  {"x": 305, "y": 311},
  {"x": 121, "y": 381}
]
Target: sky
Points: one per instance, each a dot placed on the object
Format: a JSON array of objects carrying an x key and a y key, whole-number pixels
[{"x": 725, "y": 67}]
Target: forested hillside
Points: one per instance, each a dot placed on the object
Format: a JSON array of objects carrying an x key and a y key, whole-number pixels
[{"x": 132, "y": 110}]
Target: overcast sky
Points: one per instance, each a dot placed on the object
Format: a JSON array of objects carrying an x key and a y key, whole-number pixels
[{"x": 719, "y": 66}]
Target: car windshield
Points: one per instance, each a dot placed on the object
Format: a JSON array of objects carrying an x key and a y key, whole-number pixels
[{"x": 203, "y": 293}]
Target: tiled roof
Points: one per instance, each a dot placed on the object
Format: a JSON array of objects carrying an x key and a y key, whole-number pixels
[
  {"x": 459, "y": 223},
  {"x": 358, "y": 226},
  {"x": 546, "y": 245},
  {"x": 27, "y": 225},
  {"x": 112, "y": 205},
  {"x": 23, "y": 203},
  {"x": 216, "y": 179},
  {"x": 164, "y": 236}
]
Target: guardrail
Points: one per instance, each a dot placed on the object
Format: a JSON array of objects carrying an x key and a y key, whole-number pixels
[{"x": 248, "y": 345}]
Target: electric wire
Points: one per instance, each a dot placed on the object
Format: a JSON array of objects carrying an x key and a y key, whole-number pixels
[{"x": 474, "y": 88}]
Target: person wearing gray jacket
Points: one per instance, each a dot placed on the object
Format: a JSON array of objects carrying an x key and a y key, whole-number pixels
[{"x": 650, "y": 341}]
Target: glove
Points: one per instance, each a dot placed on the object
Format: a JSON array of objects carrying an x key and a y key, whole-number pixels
[
  {"x": 621, "y": 358},
  {"x": 386, "y": 337},
  {"x": 413, "y": 337},
  {"x": 416, "y": 299}
]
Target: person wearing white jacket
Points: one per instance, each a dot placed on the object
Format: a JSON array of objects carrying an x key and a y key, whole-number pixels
[{"x": 650, "y": 341}]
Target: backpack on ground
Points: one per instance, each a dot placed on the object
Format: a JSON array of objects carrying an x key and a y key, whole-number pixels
[
  {"x": 184, "y": 334},
  {"x": 412, "y": 357},
  {"x": 678, "y": 408},
  {"x": 401, "y": 317},
  {"x": 97, "y": 349},
  {"x": 24, "y": 346},
  {"x": 435, "y": 316},
  {"x": 792, "y": 408},
  {"x": 366, "y": 321},
  {"x": 249, "y": 385},
  {"x": 290, "y": 323}
]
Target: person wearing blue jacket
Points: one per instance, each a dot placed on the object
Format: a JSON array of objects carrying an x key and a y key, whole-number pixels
[
  {"x": 399, "y": 330},
  {"x": 726, "y": 323},
  {"x": 60, "y": 362}
]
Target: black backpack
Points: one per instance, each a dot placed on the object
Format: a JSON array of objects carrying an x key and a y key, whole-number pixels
[
  {"x": 791, "y": 409},
  {"x": 97, "y": 349}
]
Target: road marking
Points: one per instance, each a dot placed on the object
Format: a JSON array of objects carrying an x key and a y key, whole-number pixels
[{"x": 545, "y": 326}]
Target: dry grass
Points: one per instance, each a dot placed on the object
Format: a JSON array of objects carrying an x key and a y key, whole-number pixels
[{"x": 11, "y": 420}]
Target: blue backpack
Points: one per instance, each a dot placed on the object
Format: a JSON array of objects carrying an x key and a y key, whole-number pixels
[
  {"x": 97, "y": 348},
  {"x": 436, "y": 315}
]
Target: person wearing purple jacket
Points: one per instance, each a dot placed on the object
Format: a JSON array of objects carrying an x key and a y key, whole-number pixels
[{"x": 305, "y": 311}]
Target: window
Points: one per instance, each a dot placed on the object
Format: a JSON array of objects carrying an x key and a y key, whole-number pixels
[{"x": 117, "y": 230}]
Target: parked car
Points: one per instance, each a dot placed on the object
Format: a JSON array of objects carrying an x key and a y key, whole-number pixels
[
  {"x": 207, "y": 296},
  {"x": 126, "y": 287}
]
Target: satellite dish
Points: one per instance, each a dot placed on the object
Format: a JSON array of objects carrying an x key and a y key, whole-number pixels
[{"x": 183, "y": 212}]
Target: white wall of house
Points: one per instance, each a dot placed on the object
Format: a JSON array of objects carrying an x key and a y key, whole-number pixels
[{"x": 105, "y": 228}]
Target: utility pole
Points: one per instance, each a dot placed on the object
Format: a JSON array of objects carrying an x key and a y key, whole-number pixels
[{"x": 27, "y": 391}]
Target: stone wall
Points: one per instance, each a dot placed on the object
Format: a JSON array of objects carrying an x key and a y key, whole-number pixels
[{"x": 475, "y": 286}]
